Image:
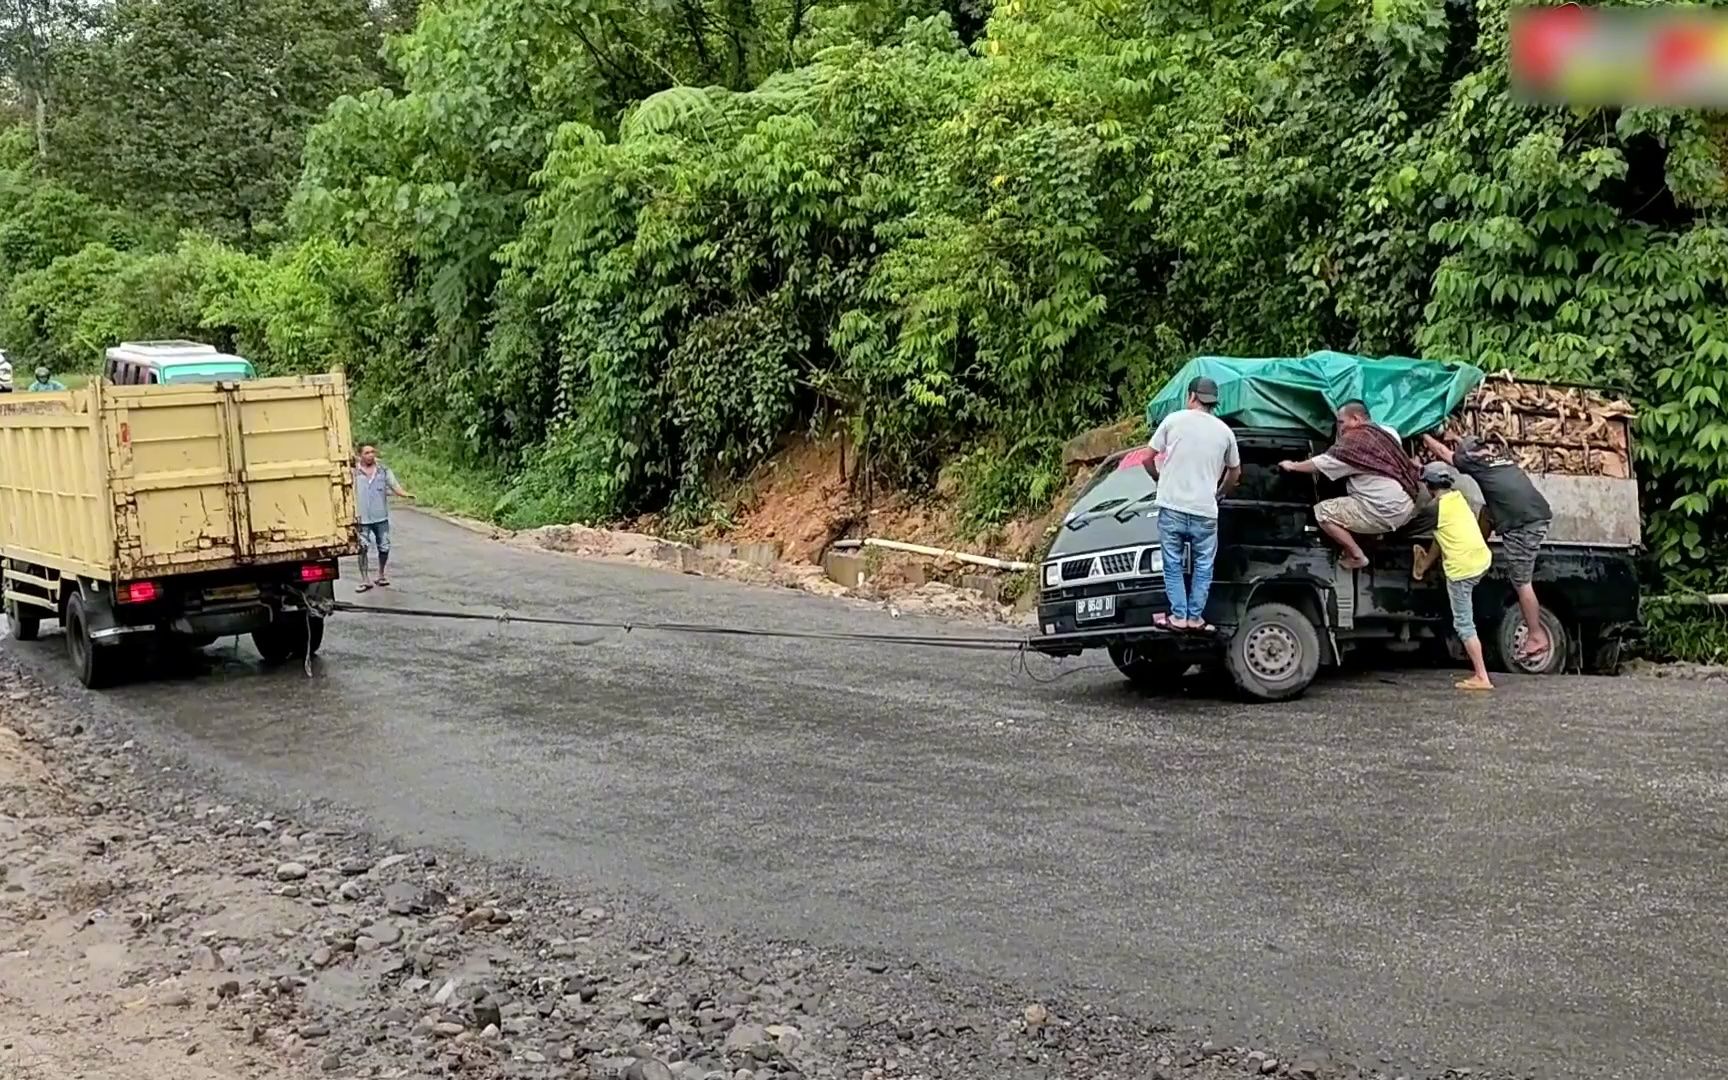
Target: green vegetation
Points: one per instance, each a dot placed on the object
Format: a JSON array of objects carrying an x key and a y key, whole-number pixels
[
  {"x": 604, "y": 258},
  {"x": 1673, "y": 632}
]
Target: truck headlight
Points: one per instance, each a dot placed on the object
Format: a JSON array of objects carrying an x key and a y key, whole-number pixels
[{"x": 1052, "y": 573}]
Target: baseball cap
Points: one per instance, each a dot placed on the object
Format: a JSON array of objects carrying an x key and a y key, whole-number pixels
[
  {"x": 1204, "y": 390},
  {"x": 1436, "y": 474}
]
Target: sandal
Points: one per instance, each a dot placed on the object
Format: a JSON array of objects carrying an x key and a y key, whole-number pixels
[
  {"x": 1201, "y": 627},
  {"x": 364, "y": 586},
  {"x": 1473, "y": 683},
  {"x": 1163, "y": 622},
  {"x": 382, "y": 583}
]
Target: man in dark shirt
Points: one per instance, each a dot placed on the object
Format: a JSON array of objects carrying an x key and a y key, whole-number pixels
[{"x": 1519, "y": 514}]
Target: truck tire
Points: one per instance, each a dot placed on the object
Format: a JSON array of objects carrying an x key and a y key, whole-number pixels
[
  {"x": 1509, "y": 634},
  {"x": 1157, "y": 671},
  {"x": 97, "y": 666},
  {"x": 1274, "y": 654},
  {"x": 292, "y": 635},
  {"x": 23, "y": 621}
]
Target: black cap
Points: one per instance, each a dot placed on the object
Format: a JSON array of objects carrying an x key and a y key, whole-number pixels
[
  {"x": 1203, "y": 390},
  {"x": 1435, "y": 474}
]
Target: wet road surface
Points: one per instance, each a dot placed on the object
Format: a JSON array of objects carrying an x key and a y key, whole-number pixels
[{"x": 1533, "y": 881}]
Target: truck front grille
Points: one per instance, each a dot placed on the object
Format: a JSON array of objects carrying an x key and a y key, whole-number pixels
[
  {"x": 1117, "y": 562},
  {"x": 1076, "y": 569}
]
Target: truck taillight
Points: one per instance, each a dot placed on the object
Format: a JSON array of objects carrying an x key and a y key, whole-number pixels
[
  {"x": 311, "y": 572},
  {"x": 138, "y": 592}
]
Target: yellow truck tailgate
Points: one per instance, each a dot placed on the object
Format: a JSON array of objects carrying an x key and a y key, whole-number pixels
[{"x": 128, "y": 482}]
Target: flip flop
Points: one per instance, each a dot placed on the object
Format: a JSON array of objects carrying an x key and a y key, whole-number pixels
[
  {"x": 1164, "y": 622},
  {"x": 1473, "y": 685},
  {"x": 382, "y": 583},
  {"x": 1203, "y": 628},
  {"x": 364, "y": 586}
]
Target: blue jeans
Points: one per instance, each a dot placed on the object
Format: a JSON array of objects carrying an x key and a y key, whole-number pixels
[
  {"x": 1462, "y": 595},
  {"x": 1181, "y": 532}
]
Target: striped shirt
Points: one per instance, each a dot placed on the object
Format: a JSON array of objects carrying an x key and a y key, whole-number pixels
[{"x": 372, "y": 493}]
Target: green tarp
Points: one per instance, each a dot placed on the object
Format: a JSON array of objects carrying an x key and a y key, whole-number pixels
[{"x": 1305, "y": 392}]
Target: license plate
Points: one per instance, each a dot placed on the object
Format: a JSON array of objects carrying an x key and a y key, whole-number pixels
[
  {"x": 232, "y": 592},
  {"x": 1094, "y": 607}
]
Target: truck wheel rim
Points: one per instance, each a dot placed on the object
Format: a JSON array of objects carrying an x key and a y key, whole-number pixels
[{"x": 1272, "y": 652}]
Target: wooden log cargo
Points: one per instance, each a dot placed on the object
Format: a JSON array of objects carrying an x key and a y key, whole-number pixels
[{"x": 1550, "y": 428}]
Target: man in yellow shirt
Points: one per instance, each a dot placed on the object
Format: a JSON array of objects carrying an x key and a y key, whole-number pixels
[{"x": 1465, "y": 557}]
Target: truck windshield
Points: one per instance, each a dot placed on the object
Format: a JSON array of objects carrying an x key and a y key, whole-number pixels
[
  {"x": 1119, "y": 485},
  {"x": 220, "y": 371}
]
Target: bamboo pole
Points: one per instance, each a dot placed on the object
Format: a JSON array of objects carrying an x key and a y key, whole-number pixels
[{"x": 933, "y": 552}]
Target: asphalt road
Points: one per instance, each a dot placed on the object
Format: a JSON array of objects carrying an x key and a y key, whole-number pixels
[{"x": 1530, "y": 881}]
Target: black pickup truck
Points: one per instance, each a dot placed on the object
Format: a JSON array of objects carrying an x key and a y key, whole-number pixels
[{"x": 1283, "y": 606}]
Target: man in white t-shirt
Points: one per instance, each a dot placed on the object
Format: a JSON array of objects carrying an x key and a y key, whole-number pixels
[{"x": 1195, "y": 459}]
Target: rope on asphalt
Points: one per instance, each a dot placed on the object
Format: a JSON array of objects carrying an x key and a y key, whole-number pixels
[{"x": 978, "y": 644}]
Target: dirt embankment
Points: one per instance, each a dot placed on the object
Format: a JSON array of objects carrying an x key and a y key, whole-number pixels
[
  {"x": 780, "y": 522},
  {"x": 788, "y": 514},
  {"x": 804, "y": 498}
]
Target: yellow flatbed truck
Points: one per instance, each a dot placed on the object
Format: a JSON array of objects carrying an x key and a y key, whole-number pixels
[{"x": 148, "y": 516}]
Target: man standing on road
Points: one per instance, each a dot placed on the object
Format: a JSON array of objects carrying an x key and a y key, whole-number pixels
[
  {"x": 1196, "y": 462},
  {"x": 1381, "y": 483},
  {"x": 374, "y": 483},
  {"x": 45, "y": 382},
  {"x": 1464, "y": 556},
  {"x": 1520, "y": 515}
]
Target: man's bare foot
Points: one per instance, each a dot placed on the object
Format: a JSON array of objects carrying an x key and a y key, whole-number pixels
[
  {"x": 1353, "y": 562},
  {"x": 1534, "y": 648},
  {"x": 1474, "y": 682}
]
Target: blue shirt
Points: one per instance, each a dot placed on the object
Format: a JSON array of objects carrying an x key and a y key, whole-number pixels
[{"x": 372, "y": 494}]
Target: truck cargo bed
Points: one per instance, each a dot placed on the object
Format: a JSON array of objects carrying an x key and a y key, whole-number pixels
[{"x": 124, "y": 482}]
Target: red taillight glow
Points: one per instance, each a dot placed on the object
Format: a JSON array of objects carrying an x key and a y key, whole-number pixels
[
  {"x": 317, "y": 572},
  {"x": 138, "y": 592}
]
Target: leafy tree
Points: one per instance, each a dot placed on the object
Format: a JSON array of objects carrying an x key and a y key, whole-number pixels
[
  {"x": 198, "y": 109},
  {"x": 41, "y": 221},
  {"x": 45, "y": 314},
  {"x": 33, "y": 34}
]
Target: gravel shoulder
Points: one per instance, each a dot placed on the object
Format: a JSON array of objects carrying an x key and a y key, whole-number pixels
[
  {"x": 146, "y": 930},
  {"x": 122, "y": 947}
]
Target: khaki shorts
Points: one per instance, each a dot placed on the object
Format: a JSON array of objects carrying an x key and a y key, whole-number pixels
[{"x": 1353, "y": 514}]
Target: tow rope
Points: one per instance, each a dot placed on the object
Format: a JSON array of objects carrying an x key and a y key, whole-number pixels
[{"x": 978, "y": 644}]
